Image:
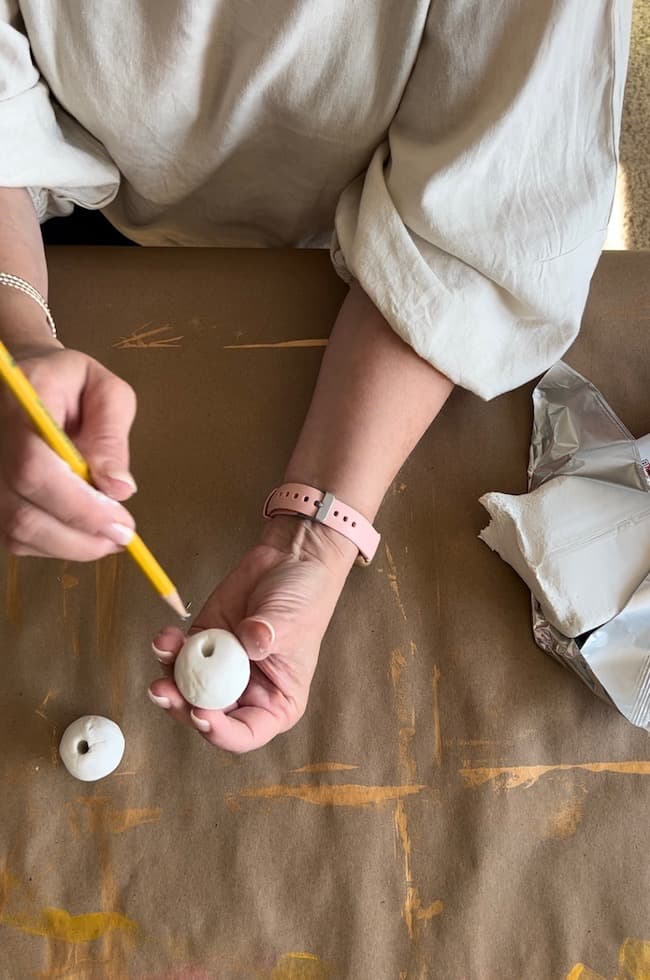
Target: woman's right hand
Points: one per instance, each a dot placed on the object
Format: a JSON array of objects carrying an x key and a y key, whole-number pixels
[{"x": 45, "y": 509}]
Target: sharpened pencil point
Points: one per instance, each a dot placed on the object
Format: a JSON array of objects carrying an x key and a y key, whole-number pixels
[{"x": 174, "y": 600}]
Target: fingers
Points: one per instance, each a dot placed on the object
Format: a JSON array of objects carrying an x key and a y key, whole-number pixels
[
  {"x": 44, "y": 507},
  {"x": 239, "y": 728},
  {"x": 35, "y": 475},
  {"x": 108, "y": 407},
  {"x": 242, "y": 730},
  {"x": 258, "y": 636},
  {"x": 219, "y": 728},
  {"x": 167, "y": 645},
  {"x": 104, "y": 548},
  {"x": 28, "y": 530},
  {"x": 50, "y": 526}
]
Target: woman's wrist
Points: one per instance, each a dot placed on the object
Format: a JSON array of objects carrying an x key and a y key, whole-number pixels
[
  {"x": 362, "y": 491},
  {"x": 374, "y": 399},
  {"x": 307, "y": 540},
  {"x": 25, "y": 332}
]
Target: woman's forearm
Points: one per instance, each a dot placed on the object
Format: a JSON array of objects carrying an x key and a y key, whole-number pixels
[
  {"x": 23, "y": 324},
  {"x": 374, "y": 400}
]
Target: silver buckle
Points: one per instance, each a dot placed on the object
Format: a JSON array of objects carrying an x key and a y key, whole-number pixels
[
  {"x": 324, "y": 508},
  {"x": 265, "y": 508}
]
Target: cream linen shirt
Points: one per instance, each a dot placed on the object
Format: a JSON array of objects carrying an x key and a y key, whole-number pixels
[{"x": 458, "y": 156}]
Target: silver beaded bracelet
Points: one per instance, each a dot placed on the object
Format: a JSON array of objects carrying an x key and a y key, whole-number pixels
[{"x": 15, "y": 282}]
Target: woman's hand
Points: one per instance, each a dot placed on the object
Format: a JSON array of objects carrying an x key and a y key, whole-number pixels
[
  {"x": 45, "y": 509},
  {"x": 278, "y": 601}
]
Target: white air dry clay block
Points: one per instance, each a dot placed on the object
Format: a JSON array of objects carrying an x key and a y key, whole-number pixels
[
  {"x": 91, "y": 747},
  {"x": 582, "y": 546},
  {"x": 212, "y": 670}
]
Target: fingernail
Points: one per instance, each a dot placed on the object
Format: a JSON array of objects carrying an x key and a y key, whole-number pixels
[
  {"x": 270, "y": 628},
  {"x": 122, "y": 476},
  {"x": 165, "y": 656},
  {"x": 200, "y": 723},
  {"x": 119, "y": 533},
  {"x": 159, "y": 700},
  {"x": 102, "y": 498}
]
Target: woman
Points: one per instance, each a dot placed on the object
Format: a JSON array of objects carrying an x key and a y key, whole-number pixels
[{"x": 459, "y": 157}]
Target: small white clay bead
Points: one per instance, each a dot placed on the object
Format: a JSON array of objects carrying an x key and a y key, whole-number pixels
[
  {"x": 212, "y": 670},
  {"x": 91, "y": 747}
]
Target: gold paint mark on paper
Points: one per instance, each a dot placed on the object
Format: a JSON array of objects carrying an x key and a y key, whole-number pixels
[
  {"x": 142, "y": 338},
  {"x": 413, "y": 911},
  {"x": 100, "y": 821},
  {"x": 54, "y": 923},
  {"x": 405, "y": 716},
  {"x": 582, "y": 972},
  {"x": 565, "y": 822},
  {"x": 511, "y": 777},
  {"x": 408, "y": 767},
  {"x": 40, "y": 711},
  {"x": 55, "y": 758},
  {"x": 99, "y": 815},
  {"x": 634, "y": 960},
  {"x": 281, "y": 345},
  {"x": 300, "y": 966},
  {"x": 394, "y": 582},
  {"x": 65, "y": 934},
  {"x": 437, "y": 737},
  {"x": 633, "y": 963},
  {"x": 343, "y": 794},
  {"x": 121, "y": 820},
  {"x": 52, "y": 693},
  {"x": 324, "y": 767},
  {"x": 397, "y": 664},
  {"x": 401, "y": 826},
  {"x": 473, "y": 741},
  {"x": 13, "y": 595}
]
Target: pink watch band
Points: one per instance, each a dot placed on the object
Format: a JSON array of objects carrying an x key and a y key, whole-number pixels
[{"x": 325, "y": 508}]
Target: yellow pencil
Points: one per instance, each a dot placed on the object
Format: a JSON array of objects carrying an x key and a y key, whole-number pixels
[{"x": 54, "y": 436}]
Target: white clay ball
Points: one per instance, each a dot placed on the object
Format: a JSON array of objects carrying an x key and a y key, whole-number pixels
[
  {"x": 91, "y": 747},
  {"x": 212, "y": 670}
]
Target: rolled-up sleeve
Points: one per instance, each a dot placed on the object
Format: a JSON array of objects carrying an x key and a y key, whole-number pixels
[
  {"x": 478, "y": 224},
  {"x": 41, "y": 147}
]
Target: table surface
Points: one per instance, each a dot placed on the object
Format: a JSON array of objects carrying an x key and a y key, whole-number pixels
[{"x": 453, "y": 804}]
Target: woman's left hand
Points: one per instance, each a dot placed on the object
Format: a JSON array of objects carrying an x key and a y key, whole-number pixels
[{"x": 278, "y": 601}]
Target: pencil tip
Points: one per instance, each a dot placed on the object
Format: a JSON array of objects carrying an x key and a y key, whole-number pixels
[{"x": 174, "y": 600}]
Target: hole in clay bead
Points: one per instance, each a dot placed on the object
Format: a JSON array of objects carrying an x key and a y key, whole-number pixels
[
  {"x": 336, "y": 513},
  {"x": 82, "y": 747},
  {"x": 306, "y": 499},
  {"x": 207, "y": 648},
  {"x": 354, "y": 523},
  {"x": 345, "y": 518},
  {"x": 295, "y": 496}
]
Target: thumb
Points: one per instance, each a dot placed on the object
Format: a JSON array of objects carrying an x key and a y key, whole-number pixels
[
  {"x": 257, "y": 634},
  {"x": 108, "y": 407}
]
